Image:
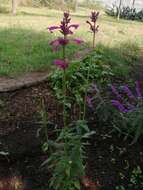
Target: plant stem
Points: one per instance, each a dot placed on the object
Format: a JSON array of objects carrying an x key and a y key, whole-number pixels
[
  {"x": 64, "y": 86},
  {"x": 64, "y": 93},
  {"x": 94, "y": 36},
  {"x": 93, "y": 40},
  {"x": 87, "y": 80},
  {"x": 85, "y": 96}
]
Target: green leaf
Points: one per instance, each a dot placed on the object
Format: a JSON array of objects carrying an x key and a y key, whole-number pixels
[
  {"x": 4, "y": 153},
  {"x": 77, "y": 185}
]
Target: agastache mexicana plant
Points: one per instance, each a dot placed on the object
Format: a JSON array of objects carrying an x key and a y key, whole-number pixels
[
  {"x": 93, "y": 25},
  {"x": 129, "y": 104},
  {"x": 94, "y": 29},
  {"x": 66, "y": 29}
]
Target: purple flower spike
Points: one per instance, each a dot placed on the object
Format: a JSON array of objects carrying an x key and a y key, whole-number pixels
[
  {"x": 128, "y": 92},
  {"x": 138, "y": 89},
  {"x": 61, "y": 64},
  {"x": 94, "y": 16},
  {"x": 93, "y": 27},
  {"x": 119, "y": 106},
  {"x": 64, "y": 27},
  {"x": 114, "y": 90}
]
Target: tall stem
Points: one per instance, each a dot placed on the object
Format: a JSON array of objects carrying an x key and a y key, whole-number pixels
[
  {"x": 64, "y": 94},
  {"x": 85, "y": 96},
  {"x": 94, "y": 40},
  {"x": 64, "y": 87},
  {"x": 94, "y": 36}
]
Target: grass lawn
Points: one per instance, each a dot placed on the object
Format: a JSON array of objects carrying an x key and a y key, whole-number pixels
[{"x": 24, "y": 40}]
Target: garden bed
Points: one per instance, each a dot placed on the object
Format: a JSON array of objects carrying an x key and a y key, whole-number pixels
[{"x": 109, "y": 157}]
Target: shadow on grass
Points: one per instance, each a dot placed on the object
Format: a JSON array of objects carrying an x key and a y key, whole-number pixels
[{"x": 24, "y": 51}]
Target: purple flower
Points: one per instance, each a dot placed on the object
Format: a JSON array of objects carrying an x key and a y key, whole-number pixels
[
  {"x": 89, "y": 102},
  {"x": 78, "y": 41},
  {"x": 119, "y": 106},
  {"x": 115, "y": 91},
  {"x": 94, "y": 16},
  {"x": 93, "y": 27},
  {"x": 62, "y": 64},
  {"x": 52, "y": 28},
  {"x": 128, "y": 92},
  {"x": 64, "y": 27},
  {"x": 138, "y": 89},
  {"x": 75, "y": 26},
  {"x": 59, "y": 42}
]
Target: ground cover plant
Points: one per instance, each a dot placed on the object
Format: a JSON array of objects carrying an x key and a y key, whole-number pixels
[{"x": 126, "y": 13}]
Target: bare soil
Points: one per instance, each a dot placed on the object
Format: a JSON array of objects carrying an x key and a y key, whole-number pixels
[{"x": 108, "y": 156}]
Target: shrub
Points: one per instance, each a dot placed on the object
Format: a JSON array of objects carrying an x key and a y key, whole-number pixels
[
  {"x": 129, "y": 120},
  {"x": 126, "y": 13}
]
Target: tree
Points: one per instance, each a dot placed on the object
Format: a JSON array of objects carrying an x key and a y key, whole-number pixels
[
  {"x": 119, "y": 9},
  {"x": 133, "y": 4},
  {"x": 14, "y": 6}
]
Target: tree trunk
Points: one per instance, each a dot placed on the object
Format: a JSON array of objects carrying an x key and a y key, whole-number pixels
[
  {"x": 14, "y": 6},
  {"x": 133, "y": 4},
  {"x": 119, "y": 10}
]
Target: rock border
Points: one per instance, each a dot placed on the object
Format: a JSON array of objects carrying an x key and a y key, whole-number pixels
[{"x": 8, "y": 84}]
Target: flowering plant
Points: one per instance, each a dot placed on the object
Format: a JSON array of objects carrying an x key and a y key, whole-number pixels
[
  {"x": 66, "y": 29},
  {"x": 127, "y": 101},
  {"x": 93, "y": 26},
  {"x": 94, "y": 30},
  {"x": 66, "y": 160},
  {"x": 130, "y": 106}
]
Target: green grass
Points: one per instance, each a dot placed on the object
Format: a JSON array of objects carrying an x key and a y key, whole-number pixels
[
  {"x": 23, "y": 51},
  {"x": 24, "y": 40},
  {"x": 121, "y": 58}
]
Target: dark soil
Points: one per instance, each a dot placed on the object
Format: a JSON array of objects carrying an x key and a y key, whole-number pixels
[{"x": 109, "y": 156}]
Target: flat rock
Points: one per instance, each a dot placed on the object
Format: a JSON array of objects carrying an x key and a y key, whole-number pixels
[{"x": 8, "y": 84}]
